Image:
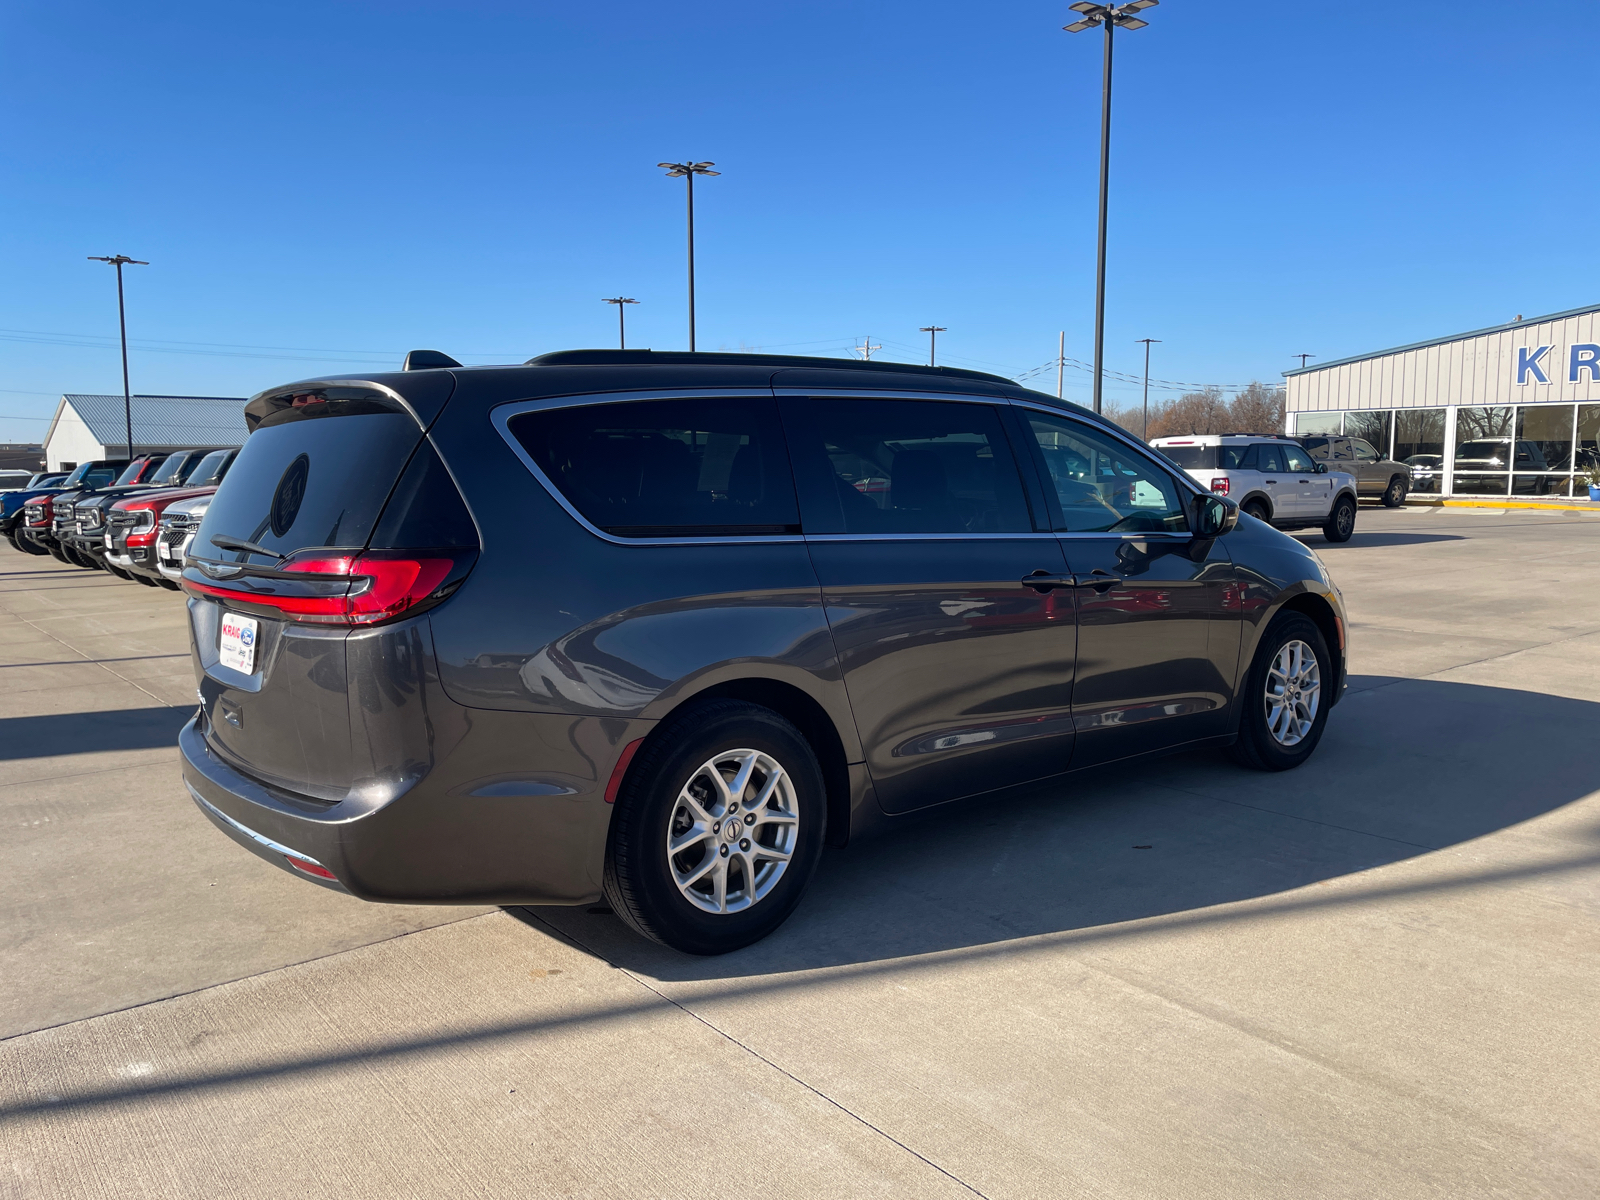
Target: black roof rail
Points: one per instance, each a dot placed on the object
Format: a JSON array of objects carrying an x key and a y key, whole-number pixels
[{"x": 617, "y": 358}]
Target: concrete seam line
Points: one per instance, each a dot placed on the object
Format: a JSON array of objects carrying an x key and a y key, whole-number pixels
[
  {"x": 86, "y": 658},
  {"x": 299, "y": 962},
  {"x": 756, "y": 1054}
]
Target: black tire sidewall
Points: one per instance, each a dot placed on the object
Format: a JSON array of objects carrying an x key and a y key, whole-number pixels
[
  {"x": 1257, "y": 510},
  {"x": 638, "y": 880},
  {"x": 1265, "y": 750},
  {"x": 1331, "y": 529}
]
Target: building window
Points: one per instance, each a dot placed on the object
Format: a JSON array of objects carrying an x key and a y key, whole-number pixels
[
  {"x": 1320, "y": 423},
  {"x": 1483, "y": 451},
  {"x": 1587, "y": 453},
  {"x": 1419, "y": 443},
  {"x": 1373, "y": 426},
  {"x": 1543, "y": 461}
]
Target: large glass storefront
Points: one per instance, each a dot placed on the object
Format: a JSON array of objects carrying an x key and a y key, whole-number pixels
[{"x": 1499, "y": 450}]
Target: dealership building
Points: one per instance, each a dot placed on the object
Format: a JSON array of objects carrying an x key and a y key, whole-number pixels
[
  {"x": 89, "y": 427},
  {"x": 1511, "y": 410}
]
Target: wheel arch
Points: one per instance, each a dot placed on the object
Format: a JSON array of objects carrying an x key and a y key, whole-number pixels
[
  {"x": 807, "y": 715},
  {"x": 1261, "y": 496},
  {"x": 1321, "y": 613}
]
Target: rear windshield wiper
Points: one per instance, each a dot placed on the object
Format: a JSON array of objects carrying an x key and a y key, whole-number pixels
[{"x": 223, "y": 542}]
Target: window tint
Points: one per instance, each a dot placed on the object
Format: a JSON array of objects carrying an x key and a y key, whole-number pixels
[
  {"x": 1192, "y": 458},
  {"x": 1296, "y": 459},
  {"x": 668, "y": 468},
  {"x": 310, "y": 482},
  {"x": 134, "y": 471},
  {"x": 1239, "y": 458},
  {"x": 1104, "y": 486},
  {"x": 99, "y": 477},
  {"x": 904, "y": 466},
  {"x": 1270, "y": 456},
  {"x": 170, "y": 469}
]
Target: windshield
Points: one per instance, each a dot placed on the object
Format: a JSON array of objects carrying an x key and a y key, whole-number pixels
[
  {"x": 211, "y": 469},
  {"x": 1199, "y": 458},
  {"x": 130, "y": 473},
  {"x": 171, "y": 468}
]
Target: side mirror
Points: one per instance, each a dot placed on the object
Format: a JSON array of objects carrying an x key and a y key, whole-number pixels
[
  {"x": 1214, "y": 516},
  {"x": 1322, "y": 468}
]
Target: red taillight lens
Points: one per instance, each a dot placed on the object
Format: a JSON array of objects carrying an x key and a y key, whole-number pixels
[
  {"x": 1220, "y": 485},
  {"x": 345, "y": 589},
  {"x": 310, "y": 868}
]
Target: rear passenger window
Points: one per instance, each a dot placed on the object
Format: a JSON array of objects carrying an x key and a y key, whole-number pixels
[
  {"x": 1239, "y": 458},
  {"x": 1270, "y": 458},
  {"x": 667, "y": 468},
  {"x": 905, "y": 466},
  {"x": 1104, "y": 486}
]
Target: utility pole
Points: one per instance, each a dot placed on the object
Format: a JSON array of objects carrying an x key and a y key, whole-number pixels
[
  {"x": 1146, "y": 433},
  {"x": 1061, "y": 361},
  {"x": 688, "y": 170},
  {"x": 1302, "y": 358},
  {"x": 1111, "y": 16},
  {"x": 622, "y": 330},
  {"x": 119, "y": 261},
  {"x": 933, "y": 332},
  {"x": 866, "y": 348}
]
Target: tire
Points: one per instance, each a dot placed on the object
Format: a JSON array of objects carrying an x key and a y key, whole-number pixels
[
  {"x": 118, "y": 572},
  {"x": 1258, "y": 746},
  {"x": 1341, "y": 523},
  {"x": 642, "y": 879},
  {"x": 1258, "y": 510},
  {"x": 57, "y": 553},
  {"x": 26, "y": 545},
  {"x": 1395, "y": 494}
]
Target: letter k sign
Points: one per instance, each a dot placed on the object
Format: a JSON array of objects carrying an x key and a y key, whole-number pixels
[{"x": 1528, "y": 364}]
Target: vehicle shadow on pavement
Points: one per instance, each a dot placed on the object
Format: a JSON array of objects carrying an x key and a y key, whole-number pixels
[
  {"x": 1369, "y": 540},
  {"x": 88, "y": 732},
  {"x": 1407, "y": 767}
]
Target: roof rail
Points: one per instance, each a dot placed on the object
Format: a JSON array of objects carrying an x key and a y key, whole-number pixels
[{"x": 615, "y": 358}]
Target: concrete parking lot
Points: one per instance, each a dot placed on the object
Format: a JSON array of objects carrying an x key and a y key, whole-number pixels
[{"x": 1374, "y": 977}]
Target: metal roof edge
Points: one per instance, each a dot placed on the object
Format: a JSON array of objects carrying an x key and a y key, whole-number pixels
[
  {"x": 1441, "y": 341},
  {"x": 61, "y": 407}
]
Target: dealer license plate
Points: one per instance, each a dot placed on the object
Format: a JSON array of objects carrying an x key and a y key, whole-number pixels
[{"x": 239, "y": 642}]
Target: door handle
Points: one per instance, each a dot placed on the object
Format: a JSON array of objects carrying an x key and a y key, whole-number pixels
[
  {"x": 1273, "y": 482},
  {"x": 1043, "y": 581},
  {"x": 1097, "y": 579}
]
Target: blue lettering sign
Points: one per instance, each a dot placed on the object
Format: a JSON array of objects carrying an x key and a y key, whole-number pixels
[
  {"x": 1528, "y": 364},
  {"x": 1584, "y": 355}
]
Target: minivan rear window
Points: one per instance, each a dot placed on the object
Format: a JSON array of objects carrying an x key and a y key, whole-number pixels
[
  {"x": 1192, "y": 458},
  {"x": 667, "y": 468},
  {"x": 309, "y": 479}
]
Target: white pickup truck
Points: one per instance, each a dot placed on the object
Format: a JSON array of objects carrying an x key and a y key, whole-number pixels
[{"x": 1272, "y": 479}]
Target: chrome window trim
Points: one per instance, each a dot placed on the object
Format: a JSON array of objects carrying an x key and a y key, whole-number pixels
[
  {"x": 1037, "y": 535},
  {"x": 850, "y": 393},
  {"x": 501, "y": 415}
]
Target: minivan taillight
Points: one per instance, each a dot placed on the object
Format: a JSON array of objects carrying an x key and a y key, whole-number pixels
[{"x": 345, "y": 589}]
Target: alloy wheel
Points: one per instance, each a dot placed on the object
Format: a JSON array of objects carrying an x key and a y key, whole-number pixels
[
  {"x": 732, "y": 831},
  {"x": 1293, "y": 694}
]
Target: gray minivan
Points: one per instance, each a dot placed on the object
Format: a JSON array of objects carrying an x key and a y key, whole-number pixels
[{"x": 659, "y": 627}]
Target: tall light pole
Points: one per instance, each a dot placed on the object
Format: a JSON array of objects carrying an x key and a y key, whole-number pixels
[
  {"x": 1146, "y": 432},
  {"x": 622, "y": 330},
  {"x": 933, "y": 332},
  {"x": 119, "y": 261},
  {"x": 1112, "y": 16},
  {"x": 688, "y": 170}
]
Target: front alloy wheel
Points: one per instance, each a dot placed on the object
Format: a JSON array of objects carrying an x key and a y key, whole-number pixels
[
  {"x": 1282, "y": 707},
  {"x": 1293, "y": 693}
]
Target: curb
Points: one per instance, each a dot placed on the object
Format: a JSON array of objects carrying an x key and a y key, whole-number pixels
[{"x": 1534, "y": 506}]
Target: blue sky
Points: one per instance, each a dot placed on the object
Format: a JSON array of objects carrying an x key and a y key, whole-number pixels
[{"x": 320, "y": 187}]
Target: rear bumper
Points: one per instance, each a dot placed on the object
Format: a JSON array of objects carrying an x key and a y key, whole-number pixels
[{"x": 464, "y": 834}]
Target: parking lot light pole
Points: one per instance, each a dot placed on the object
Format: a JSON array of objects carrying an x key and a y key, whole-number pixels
[
  {"x": 1111, "y": 16},
  {"x": 622, "y": 330},
  {"x": 933, "y": 332},
  {"x": 1145, "y": 431},
  {"x": 119, "y": 261},
  {"x": 688, "y": 170}
]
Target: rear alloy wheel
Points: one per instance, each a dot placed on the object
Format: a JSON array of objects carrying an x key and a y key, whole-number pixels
[
  {"x": 718, "y": 829},
  {"x": 1258, "y": 510},
  {"x": 1395, "y": 494},
  {"x": 1285, "y": 707},
  {"x": 1341, "y": 521}
]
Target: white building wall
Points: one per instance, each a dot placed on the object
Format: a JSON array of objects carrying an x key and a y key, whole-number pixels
[
  {"x": 70, "y": 441},
  {"x": 1475, "y": 370}
]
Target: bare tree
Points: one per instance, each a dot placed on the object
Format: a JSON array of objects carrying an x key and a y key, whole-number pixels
[
  {"x": 1257, "y": 409},
  {"x": 1204, "y": 411}
]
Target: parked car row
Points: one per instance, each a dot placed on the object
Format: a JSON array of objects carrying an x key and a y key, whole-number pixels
[{"x": 131, "y": 517}]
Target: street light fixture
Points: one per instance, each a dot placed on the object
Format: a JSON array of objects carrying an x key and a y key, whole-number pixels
[
  {"x": 1111, "y": 16},
  {"x": 688, "y": 170},
  {"x": 933, "y": 332},
  {"x": 622, "y": 331},
  {"x": 119, "y": 261}
]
